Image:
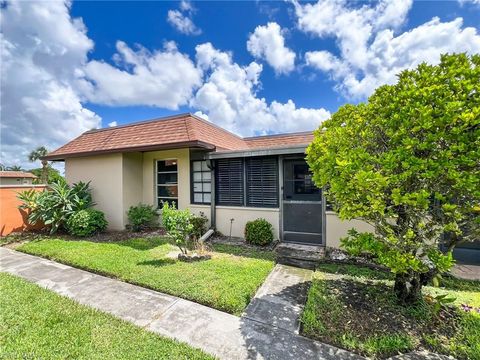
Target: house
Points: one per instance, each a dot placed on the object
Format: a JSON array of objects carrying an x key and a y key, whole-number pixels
[
  {"x": 16, "y": 178},
  {"x": 198, "y": 165}
]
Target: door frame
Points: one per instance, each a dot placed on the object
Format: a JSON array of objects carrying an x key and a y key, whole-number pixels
[{"x": 281, "y": 179}]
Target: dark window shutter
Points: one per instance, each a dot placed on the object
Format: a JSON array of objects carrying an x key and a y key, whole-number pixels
[
  {"x": 229, "y": 182},
  {"x": 262, "y": 182}
]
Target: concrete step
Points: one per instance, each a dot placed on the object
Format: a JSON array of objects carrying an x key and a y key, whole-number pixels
[{"x": 299, "y": 255}]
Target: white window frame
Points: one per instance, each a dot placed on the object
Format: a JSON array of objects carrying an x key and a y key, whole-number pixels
[
  {"x": 157, "y": 184},
  {"x": 202, "y": 182}
]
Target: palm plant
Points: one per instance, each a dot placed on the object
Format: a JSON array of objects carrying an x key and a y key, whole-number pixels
[
  {"x": 14, "y": 168},
  {"x": 38, "y": 154}
]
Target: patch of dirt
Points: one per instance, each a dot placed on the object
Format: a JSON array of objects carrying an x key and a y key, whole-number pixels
[
  {"x": 368, "y": 308},
  {"x": 339, "y": 256},
  {"x": 237, "y": 241},
  {"x": 16, "y": 239}
]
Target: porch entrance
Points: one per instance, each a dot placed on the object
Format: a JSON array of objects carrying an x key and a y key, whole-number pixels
[{"x": 302, "y": 204}]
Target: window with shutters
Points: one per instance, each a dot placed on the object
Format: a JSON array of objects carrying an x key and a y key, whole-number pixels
[
  {"x": 229, "y": 182},
  {"x": 201, "y": 183},
  {"x": 262, "y": 182},
  {"x": 251, "y": 182}
]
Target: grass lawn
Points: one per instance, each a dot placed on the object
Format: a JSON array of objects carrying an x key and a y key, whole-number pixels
[
  {"x": 38, "y": 324},
  {"x": 354, "y": 308},
  {"x": 226, "y": 282}
]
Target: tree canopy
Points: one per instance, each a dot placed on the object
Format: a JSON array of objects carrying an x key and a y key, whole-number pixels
[{"x": 407, "y": 162}]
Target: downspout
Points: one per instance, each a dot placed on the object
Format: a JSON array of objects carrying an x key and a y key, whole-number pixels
[{"x": 212, "y": 196}]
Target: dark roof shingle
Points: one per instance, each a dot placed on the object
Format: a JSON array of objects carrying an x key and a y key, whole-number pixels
[{"x": 185, "y": 130}]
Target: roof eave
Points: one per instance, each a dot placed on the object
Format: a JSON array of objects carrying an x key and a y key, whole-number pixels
[
  {"x": 284, "y": 150},
  {"x": 178, "y": 145}
]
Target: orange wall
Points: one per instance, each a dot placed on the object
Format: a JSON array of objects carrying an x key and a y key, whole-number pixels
[{"x": 12, "y": 219}]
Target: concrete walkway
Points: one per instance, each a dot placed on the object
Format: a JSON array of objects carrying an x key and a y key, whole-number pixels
[
  {"x": 261, "y": 333},
  {"x": 279, "y": 301}
]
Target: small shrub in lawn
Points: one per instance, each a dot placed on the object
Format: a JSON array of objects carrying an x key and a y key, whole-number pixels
[
  {"x": 142, "y": 217},
  {"x": 86, "y": 222},
  {"x": 259, "y": 232},
  {"x": 178, "y": 225}
]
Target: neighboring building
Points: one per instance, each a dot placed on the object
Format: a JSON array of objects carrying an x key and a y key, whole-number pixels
[
  {"x": 198, "y": 165},
  {"x": 16, "y": 178}
]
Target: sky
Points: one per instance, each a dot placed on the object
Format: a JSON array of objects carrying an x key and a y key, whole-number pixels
[{"x": 252, "y": 67}]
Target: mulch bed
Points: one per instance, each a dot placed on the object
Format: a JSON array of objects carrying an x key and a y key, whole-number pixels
[
  {"x": 15, "y": 239},
  {"x": 367, "y": 310},
  {"x": 237, "y": 241}
]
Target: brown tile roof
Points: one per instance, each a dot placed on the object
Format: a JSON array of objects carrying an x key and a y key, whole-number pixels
[
  {"x": 279, "y": 140},
  {"x": 179, "y": 131},
  {"x": 16, "y": 174}
]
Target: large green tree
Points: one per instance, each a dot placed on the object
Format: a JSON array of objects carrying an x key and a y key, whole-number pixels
[{"x": 407, "y": 162}]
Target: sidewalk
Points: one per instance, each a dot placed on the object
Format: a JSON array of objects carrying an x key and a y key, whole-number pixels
[{"x": 268, "y": 329}]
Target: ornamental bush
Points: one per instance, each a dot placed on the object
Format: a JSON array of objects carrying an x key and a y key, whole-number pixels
[
  {"x": 178, "y": 225},
  {"x": 86, "y": 222},
  {"x": 199, "y": 223},
  {"x": 142, "y": 217},
  {"x": 54, "y": 206},
  {"x": 259, "y": 232},
  {"x": 407, "y": 162}
]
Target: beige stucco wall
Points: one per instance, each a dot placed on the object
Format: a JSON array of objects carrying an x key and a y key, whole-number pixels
[
  {"x": 105, "y": 173},
  {"x": 337, "y": 229},
  {"x": 15, "y": 181},
  {"x": 132, "y": 181},
  {"x": 183, "y": 164},
  {"x": 241, "y": 216}
]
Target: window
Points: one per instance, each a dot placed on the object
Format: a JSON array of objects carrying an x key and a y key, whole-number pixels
[
  {"x": 298, "y": 182},
  {"x": 229, "y": 182},
  {"x": 251, "y": 182},
  {"x": 201, "y": 183},
  {"x": 167, "y": 182},
  {"x": 262, "y": 182}
]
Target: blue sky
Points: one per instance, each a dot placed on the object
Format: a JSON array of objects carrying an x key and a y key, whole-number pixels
[
  {"x": 252, "y": 67},
  {"x": 227, "y": 26}
]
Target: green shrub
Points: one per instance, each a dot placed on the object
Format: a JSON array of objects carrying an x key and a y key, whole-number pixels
[
  {"x": 199, "y": 224},
  {"x": 56, "y": 204},
  {"x": 86, "y": 222},
  {"x": 259, "y": 232},
  {"x": 142, "y": 217},
  {"x": 178, "y": 225}
]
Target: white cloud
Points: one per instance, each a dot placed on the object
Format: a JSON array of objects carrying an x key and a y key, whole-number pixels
[
  {"x": 164, "y": 78},
  {"x": 112, "y": 124},
  {"x": 474, "y": 2},
  {"x": 229, "y": 98},
  {"x": 201, "y": 114},
  {"x": 267, "y": 42},
  {"x": 181, "y": 19},
  {"x": 43, "y": 49},
  {"x": 371, "y": 52},
  {"x": 46, "y": 79},
  {"x": 186, "y": 6}
]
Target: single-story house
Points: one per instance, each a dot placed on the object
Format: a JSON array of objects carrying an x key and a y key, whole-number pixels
[
  {"x": 16, "y": 178},
  {"x": 198, "y": 165}
]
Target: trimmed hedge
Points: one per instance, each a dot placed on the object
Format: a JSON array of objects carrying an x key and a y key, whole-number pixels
[
  {"x": 86, "y": 222},
  {"x": 259, "y": 232}
]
